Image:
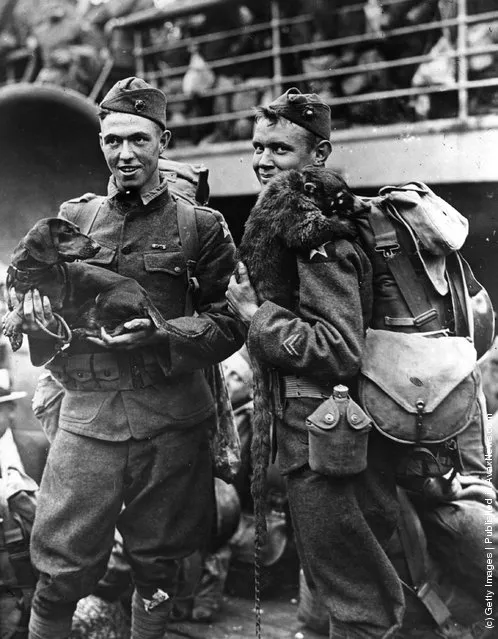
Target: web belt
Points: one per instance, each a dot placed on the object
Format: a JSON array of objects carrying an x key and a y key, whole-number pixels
[{"x": 302, "y": 387}]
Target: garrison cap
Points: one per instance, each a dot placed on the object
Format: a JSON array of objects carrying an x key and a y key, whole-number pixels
[
  {"x": 304, "y": 109},
  {"x": 135, "y": 96}
]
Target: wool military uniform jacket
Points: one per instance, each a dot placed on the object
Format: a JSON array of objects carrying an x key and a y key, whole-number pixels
[
  {"x": 140, "y": 239},
  {"x": 321, "y": 338}
]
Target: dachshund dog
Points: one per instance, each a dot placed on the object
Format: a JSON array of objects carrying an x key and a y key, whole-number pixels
[
  {"x": 84, "y": 296},
  {"x": 298, "y": 211},
  {"x": 99, "y": 298},
  {"x": 38, "y": 262}
]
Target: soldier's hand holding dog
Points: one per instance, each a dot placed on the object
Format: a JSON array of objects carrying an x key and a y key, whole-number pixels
[
  {"x": 37, "y": 313},
  {"x": 140, "y": 332}
]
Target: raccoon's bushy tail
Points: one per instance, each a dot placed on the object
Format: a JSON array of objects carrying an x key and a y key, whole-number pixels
[{"x": 260, "y": 454}]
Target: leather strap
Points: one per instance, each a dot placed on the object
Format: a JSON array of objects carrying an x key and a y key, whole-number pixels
[
  {"x": 414, "y": 545},
  {"x": 456, "y": 282},
  {"x": 473, "y": 285},
  {"x": 465, "y": 286},
  {"x": 189, "y": 239},
  {"x": 387, "y": 242}
]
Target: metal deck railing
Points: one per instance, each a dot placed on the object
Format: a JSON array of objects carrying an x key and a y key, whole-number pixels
[{"x": 154, "y": 46}]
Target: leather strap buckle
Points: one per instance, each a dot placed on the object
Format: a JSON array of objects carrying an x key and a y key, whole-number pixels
[
  {"x": 388, "y": 249},
  {"x": 423, "y": 318},
  {"x": 418, "y": 321}
]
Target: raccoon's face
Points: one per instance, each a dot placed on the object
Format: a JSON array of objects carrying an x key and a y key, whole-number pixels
[{"x": 324, "y": 187}]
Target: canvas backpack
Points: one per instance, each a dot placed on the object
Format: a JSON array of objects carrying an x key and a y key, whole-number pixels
[{"x": 431, "y": 320}]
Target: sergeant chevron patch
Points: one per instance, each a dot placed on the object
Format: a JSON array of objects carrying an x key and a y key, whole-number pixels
[{"x": 290, "y": 344}]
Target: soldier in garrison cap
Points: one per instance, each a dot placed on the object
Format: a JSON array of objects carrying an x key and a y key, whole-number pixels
[
  {"x": 343, "y": 524},
  {"x": 131, "y": 448},
  {"x": 340, "y": 523}
]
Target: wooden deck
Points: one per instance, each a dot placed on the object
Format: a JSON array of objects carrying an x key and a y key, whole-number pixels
[{"x": 237, "y": 621}]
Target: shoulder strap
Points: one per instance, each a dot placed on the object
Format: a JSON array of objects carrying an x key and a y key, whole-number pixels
[
  {"x": 461, "y": 288},
  {"x": 387, "y": 243},
  {"x": 189, "y": 239},
  {"x": 474, "y": 306},
  {"x": 414, "y": 545}
]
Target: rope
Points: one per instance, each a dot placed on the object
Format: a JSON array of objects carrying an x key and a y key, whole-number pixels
[{"x": 257, "y": 578}]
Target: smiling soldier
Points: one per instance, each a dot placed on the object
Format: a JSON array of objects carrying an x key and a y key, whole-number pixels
[
  {"x": 137, "y": 410},
  {"x": 342, "y": 523}
]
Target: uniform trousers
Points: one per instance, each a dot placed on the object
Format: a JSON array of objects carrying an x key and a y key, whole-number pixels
[
  {"x": 165, "y": 485},
  {"x": 342, "y": 525}
]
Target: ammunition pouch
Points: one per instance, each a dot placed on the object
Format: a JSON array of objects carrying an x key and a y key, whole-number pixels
[
  {"x": 107, "y": 371},
  {"x": 89, "y": 372}
]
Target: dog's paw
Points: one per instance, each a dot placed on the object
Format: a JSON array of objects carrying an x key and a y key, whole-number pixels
[
  {"x": 11, "y": 323},
  {"x": 15, "y": 341},
  {"x": 83, "y": 333},
  {"x": 117, "y": 330}
]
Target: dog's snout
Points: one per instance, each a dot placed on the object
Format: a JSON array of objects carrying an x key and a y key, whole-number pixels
[
  {"x": 95, "y": 248},
  {"x": 309, "y": 188}
]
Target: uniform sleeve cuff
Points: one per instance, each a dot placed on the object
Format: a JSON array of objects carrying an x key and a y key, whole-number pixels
[{"x": 257, "y": 327}]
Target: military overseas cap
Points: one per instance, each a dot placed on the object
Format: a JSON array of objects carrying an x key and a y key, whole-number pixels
[
  {"x": 135, "y": 96},
  {"x": 304, "y": 109}
]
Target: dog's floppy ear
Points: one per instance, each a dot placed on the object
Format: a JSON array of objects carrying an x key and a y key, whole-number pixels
[{"x": 39, "y": 243}]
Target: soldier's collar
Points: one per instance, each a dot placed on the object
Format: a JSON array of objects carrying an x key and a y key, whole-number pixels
[{"x": 146, "y": 198}]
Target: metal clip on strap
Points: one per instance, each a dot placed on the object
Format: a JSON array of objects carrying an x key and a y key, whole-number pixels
[
  {"x": 418, "y": 321},
  {"x": 193, "y": 282},
  {"x": 395, "y": 254},
  {"x": 386, "y": 245},
  {"x": 386, "y": 240}
]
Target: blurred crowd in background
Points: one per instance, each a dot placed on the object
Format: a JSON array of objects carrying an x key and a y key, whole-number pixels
[{"x": 72, "y": 44}]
